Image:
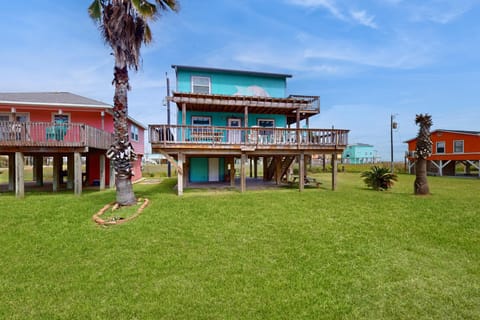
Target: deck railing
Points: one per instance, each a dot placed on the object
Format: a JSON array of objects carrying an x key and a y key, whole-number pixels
[
  {"x": 214, "y": 135},
  {"x": 46, "y": 134}
]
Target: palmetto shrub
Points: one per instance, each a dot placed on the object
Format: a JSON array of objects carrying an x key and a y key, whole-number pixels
[{"x": 379, "y": 178}]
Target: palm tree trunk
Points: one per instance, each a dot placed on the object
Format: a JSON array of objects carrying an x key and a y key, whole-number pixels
[
  {"x": 121, "y": 151},
  {"x": 421, "y": 184}
]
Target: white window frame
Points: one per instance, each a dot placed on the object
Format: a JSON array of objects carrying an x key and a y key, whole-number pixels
[
  {"x": 67, "y": 115},
  {"x": 442, "y": 147},
  {"x": 196, "y": 83},
  {"x": 134, "y": 132},
  {"x": 202, "y": 119},
  {"x": 455, "y": 147},
  {"x": 259, "y": 123}
]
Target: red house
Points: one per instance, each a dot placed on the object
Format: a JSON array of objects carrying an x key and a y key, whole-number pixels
[
  {"x": 450, "y": 147},
  {"x": 66, "y": 128}
]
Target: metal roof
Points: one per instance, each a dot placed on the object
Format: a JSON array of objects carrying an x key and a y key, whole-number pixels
[
  {"x": 219, "y": 70},
  {"x": 64, "y": 99},
  {"x": 474, "y": 133}
]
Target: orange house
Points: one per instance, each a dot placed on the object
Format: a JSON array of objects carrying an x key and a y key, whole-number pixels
[
  {"x": 66, "y": 128},
  {"x": 450, "y": 147}
]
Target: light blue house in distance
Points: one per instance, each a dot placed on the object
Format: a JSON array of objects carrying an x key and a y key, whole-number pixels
[
  {"x": 226, "y": 115},
  {"x": 360, "y": 153}
]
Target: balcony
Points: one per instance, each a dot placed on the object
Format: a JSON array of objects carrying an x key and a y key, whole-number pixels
[
  {"x": 51, "y": 135},
  {"x": 246, "y": 139}
]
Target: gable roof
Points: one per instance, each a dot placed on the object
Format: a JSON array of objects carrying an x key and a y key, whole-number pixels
[
  {"x": 466, "y": 132},
  {"x": 64, "y": 99},
  {"x": 219, "y": 70}
]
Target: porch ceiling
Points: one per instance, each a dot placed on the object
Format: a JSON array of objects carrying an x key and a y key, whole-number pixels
[{"x": 306, "y": 106}]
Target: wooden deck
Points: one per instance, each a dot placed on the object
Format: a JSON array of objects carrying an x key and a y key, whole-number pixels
[
  {"x": 228, "y": 140},
  {"x": 24, "y": 136}
]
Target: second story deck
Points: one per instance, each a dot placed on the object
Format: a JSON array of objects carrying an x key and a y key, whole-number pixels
[
  {"x": 176, "y": 138},
  {"x": 44, "y": 136}
]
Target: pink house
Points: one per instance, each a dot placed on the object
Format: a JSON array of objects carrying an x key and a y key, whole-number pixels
[{"x": 72, "y": 130}]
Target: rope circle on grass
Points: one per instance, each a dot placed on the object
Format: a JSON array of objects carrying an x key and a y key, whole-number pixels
[{"x": 114, "y": 206}]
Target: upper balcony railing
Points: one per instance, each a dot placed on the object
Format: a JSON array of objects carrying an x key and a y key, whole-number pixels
[
  {"x": 170, "y": 135},
  {"x": 46, "y": 134}
]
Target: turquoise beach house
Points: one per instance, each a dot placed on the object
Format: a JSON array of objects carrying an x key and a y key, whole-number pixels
[
  {"x": 359, "y": 153},
  {"x": 224, "y": 115}
]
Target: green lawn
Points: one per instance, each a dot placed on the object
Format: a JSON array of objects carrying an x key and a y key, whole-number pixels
[{"x": 349, "y": 254}]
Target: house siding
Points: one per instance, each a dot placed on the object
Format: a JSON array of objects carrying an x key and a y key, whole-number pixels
[{"x": 233, "y": 84}]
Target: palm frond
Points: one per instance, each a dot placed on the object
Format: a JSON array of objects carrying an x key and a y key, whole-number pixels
[
  {"x": 168, "y": 4},
  {"x": 95, "y": 10}
]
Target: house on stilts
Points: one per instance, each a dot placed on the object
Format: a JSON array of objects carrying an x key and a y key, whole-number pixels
[
  {"x": 449, "y": 149},
  {"x": 225, "y": 116},
  {"x": 72, "y": 131}
]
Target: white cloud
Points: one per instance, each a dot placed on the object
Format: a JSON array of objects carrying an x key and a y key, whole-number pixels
[
  {"x": 363, "y": 18},
  {"x": 355, "y": 16}
]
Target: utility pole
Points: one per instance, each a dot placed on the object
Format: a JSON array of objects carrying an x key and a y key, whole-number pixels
[
  {"x": 393, "y": 125},
  {"x": 169, "y": 167}
]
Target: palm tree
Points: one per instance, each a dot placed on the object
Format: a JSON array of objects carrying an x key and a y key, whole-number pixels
[
  {"x": 422, "y": 152},
  {"x": 124, "y": 27}
]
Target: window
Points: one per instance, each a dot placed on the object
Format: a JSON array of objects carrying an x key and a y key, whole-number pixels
[
  {"x": 18, "y": 117},
  {"x": 61, "y": 118},
  {"x": 441, "y": 147},
  {"x": 134, "y": 132},
  {"x": 458, "y": 146},
  {"x": 200, "y": 84},
  {"x": 266, "y": 123},
  {"x": 201, "y": 121}
]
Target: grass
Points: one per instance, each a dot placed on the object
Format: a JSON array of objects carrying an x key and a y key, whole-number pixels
[{"x": 352, "y": 254}]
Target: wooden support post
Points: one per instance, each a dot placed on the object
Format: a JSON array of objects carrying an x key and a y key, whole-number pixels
[
  {"x": 245, "y": 117},
  {"x": 186, "y": 171},
  {"x": 181, "y": 159},
  {"x": 255, "y": 167},
  {"x": 184, "y": 121},
  {"x": 102, "y": 172},
  {"x": 11, "y": 172},
  {"x": 77, "y": 171},
  {"x": 298, "y": 127},
  {"x": 34, "y": 168},
  {"x": 19, "y": 175},
  {"x": 301, "y": 171},
  {"x": 57, "y": 167},
  {"x": 243, "y": 176},
  {"x": 334, "y": 171},
  {"x": 278, "y": 170},
  {"x": 70, "y": 171},
  {"x": 250, "y": 165},
  {"x": 38, "y": 162},
  {"x": 265, "y": 168},
  {"x": 232, "y": 171}
]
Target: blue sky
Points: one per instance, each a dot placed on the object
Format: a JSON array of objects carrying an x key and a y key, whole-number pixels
[{"x": 366, "y": 59}]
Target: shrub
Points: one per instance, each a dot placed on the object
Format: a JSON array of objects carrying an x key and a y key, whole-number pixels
[{"x": 379, "y": 178}]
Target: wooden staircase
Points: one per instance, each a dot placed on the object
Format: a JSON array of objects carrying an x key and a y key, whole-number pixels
[{"x": 271, "y": 165}]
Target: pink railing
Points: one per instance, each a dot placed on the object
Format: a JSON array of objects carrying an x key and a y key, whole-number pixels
[
  {"x": 175, "y": 134},
  {"x": 44, "y": 134}
]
